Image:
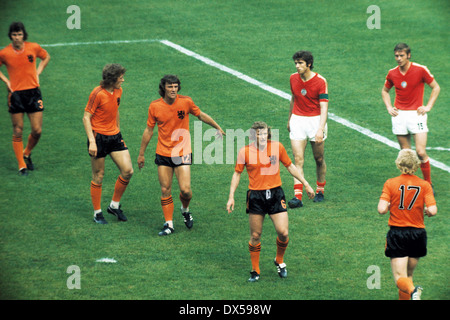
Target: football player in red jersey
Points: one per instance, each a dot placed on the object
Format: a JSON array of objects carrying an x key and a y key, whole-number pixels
[
  {"x": 308, "y": 122},
  {"x": 409, "y": 114}
]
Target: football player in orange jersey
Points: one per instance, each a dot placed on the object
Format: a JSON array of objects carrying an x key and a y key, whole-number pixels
[
  {"x": 173, "y": 150},
  {"x": 406, "y": 197},
  {"x": 102, "y": 124},
  {"x": 265, "y": 195},
  {"x": 24, "y": 93}
]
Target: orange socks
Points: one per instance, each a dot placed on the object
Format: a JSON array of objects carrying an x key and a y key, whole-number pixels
[
  {"x": 254, "y": 256},
  {"x": 281, "y": 249},
  {"x": 167, "y": 208},
  {"x": 96, "y": 196},
  {"x": 298, "y": 191},
  {"x": 119, "y": 188},
  {"x": 406, "y": 286},
  {"x": 18, "y": 151}
]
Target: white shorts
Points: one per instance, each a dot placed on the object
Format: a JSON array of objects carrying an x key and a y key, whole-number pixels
[
  {"x": 409, "y": 122},
  {"x": 305, "y": 128}
]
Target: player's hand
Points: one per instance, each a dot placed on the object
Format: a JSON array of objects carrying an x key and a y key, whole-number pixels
[
  {"x": 93, "y": 149},
  {"x": 230, "y": 205},
  {"x": 141, "y": 162},
  {"x": 422, "y": 110},
  {"x": 220, "y": 133},
  {"x": 319, "y": 136},
  {"x": 310, "y": 192},
  {"x": 393, "y": 111}
]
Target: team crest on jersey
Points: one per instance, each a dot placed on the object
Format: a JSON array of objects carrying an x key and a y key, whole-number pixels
[
  {"x": 304, "y": 92},
  {"x": 181, "y": 114},
  {"x": 404, "y": 84},
  {"x": 273, "y": 160},
  {"x": 30, "y": 58}
]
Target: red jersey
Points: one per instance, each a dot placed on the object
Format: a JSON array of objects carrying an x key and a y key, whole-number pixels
[
  {"x": 308, "y": 94},
  {"x": 407, "y": 195},
  {"x": 409, "y": 87},
  {"x": 263, "y": 166},
  {"x": 174, "y": 138},
  {"x": 104, "y": 107},
  {"x": 21, "y": 65}
]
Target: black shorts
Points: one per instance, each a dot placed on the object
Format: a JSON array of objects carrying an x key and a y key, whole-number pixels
[
  {"x": 266, "y": 201},
  {"x": 108, "y": 144},
  {"x": 173, "y": 161},
  {"x": 25, "y": 101},
  {"x": 406, "y": 242}
]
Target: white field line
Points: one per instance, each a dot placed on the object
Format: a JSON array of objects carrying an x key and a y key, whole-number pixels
[{"x": 260, "y": 84}]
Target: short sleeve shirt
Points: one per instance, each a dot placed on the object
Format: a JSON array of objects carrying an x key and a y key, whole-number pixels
[
  {"x": 104, "y": 106},
  {"x": 263, "y": 166},
  {"x": 308, "y": 94},
  {"x": 409, "y": 87},
  {"x": 173, "y": 125},
  {"x": 21, "y": 65}
]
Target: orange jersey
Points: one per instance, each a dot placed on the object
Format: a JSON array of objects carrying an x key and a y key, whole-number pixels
[
  {"x": 174, "y": 139},
  {"x": 104, "y": 107},
  {"x": 21, "y": 65},
  {"x": 263, "y": 166},
  {"x": 407, "y": 195}
]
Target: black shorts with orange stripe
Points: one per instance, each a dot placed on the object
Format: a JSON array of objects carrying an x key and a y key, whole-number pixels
[
  {"x": 25, "y": 101},
  {"x": 108, "y": 144},
  {"x": 269, "y": 201}
]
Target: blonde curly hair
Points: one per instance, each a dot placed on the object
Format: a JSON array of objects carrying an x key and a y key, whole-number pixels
[{"x": 407, "y": 161}]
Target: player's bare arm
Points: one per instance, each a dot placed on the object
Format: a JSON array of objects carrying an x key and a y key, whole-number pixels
[
  {"x": 297, "y": 175},
  {"x": 435, "y": 89},
  {"x": 291, "y": 106},
  {"x": 90, "y": 134},
  {"x": 6, "y": 81},
  {"x": 323, "y": 121},
  {"x": 383, "y": 206},
  {"x": 234, "y": 184},
  {"x": 146, "y": 137},
  {"x": 387, "y": 101},
  {"x": 210, "y": 121}
]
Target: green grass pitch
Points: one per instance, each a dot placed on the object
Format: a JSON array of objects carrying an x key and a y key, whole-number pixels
[{"x": 46, "y": 218}]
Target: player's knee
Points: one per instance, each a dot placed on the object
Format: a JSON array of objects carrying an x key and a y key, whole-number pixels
[
  {"x": 97, "y": 176},
  {"x": 166, "y": 191},
  {"x": 283, "y": 234},
  {"x": 319, "y": 159},
  {"x": 17, "y": 131},
  {"x": 255, "y": 237},
  {"x": 298, "y": 160},
  {"x": 36, "y": 133},
  {"x": 186, "y": 193},
  {"x": 127, "y": 173},
  {"x": 421, "y": 153}
]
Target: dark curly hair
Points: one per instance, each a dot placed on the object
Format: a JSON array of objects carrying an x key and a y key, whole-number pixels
[{"x": 111, "y": 72}]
